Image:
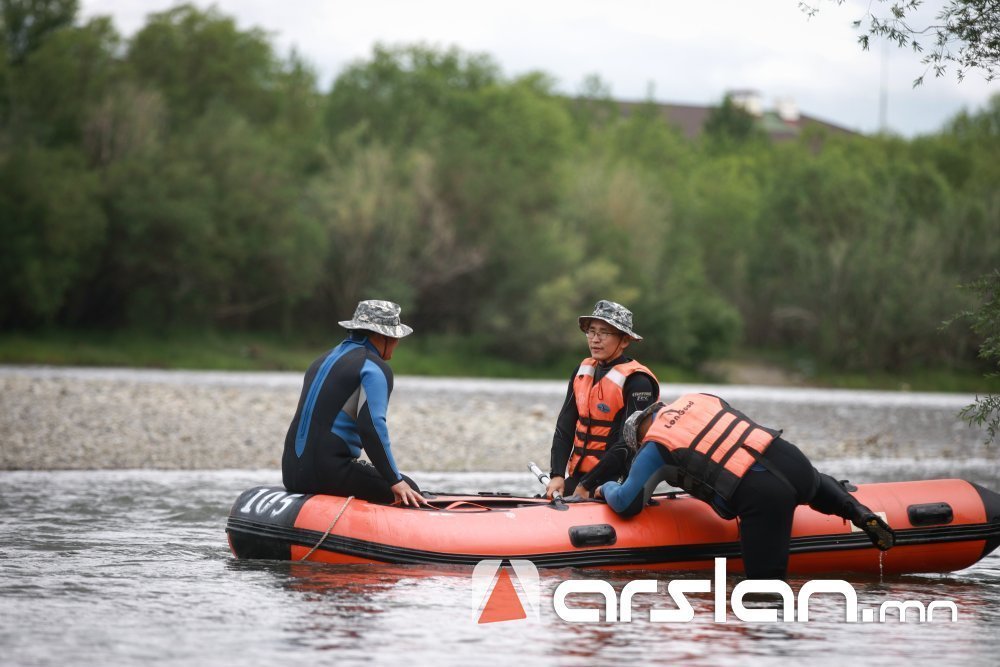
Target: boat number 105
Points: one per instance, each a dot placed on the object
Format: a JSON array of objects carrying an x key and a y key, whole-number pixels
[{"x": 265, "y": 499}]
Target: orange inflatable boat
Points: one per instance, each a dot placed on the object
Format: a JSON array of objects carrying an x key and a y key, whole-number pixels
[{"x": 941, "y": 526}]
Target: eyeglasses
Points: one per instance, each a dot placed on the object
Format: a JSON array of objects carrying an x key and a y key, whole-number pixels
[{"x": 599, "y": 334}]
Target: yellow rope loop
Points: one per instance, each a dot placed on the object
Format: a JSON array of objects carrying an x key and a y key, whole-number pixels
[{"x": 327, "y": 533}]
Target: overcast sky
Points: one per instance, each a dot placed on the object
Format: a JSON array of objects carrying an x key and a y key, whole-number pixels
[{"x": 689, "y": 52}]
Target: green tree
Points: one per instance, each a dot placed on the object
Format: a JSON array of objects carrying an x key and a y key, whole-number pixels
[
  {"x": 986, "y": 323},
  {"x": 51, "y": 231},
  {"x": 633, "y": 248},
  {"x": 59, "y": 83},
  {"x": 26, "y": 23},
  {"x": 646, "y": 138},
  {"x": 689, "y": 321},
  {"x": 719, "y": 207},
  {"x": 200, "y": 59},
  {"x": 410, "y": 96},
  {"x": 493, "y": 150},
  {"x": 209, "y": 229},
  {"x": 128, "y": 121},
  {"x": 849, "y": 261},
  {"x": 5, "y": 69},
  {"x": 192, "y": 177},
  {"x": 593, "y": 109},
  {"x": 372, "y": 204},
  {"x": 729, "y": 126}
]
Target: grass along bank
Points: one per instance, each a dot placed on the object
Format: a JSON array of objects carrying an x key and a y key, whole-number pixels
[
  {"x": 432, "y": 356},
  {"x": 421, "y": 355}
]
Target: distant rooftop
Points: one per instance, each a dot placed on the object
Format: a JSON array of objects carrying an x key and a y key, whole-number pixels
[{"x": 783, "y": 122}]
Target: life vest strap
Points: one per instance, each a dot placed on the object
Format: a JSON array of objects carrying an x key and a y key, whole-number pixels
[
  {"x": 771, "y": 468},
  {"x": 585, "y": 461},
  {"x": 702, "y": 463},
  {"x": 587, "y": 421},
  {"x": 708, "y": 427},
  {"x": 590, "y": 437},
  {"x": 713, "y": 478}
]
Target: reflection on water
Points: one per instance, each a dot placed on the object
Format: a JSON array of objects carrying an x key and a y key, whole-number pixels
[
  {"x": 396, "y": 613},
  {"x": 131, "y": 568}
]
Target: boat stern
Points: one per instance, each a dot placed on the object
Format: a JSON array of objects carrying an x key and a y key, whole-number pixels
[{"x": 991, "y": 505}]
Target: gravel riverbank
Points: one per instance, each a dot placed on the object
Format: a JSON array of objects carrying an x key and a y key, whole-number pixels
[{"x": 66, "y": 418}]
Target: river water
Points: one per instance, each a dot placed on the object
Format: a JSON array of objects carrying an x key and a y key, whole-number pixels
[{"x": 132, "y": 568}]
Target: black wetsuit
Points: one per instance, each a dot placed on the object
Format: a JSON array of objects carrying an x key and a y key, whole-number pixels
[
  {"x": 764, "y": 501},
  {"x": 639, "y": 391},
  {"x": 342, "y": 411}
]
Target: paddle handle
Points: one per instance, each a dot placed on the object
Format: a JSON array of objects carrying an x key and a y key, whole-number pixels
[
  {"x": 543, "y": 478},
  {"x": 537, "y": 472}
]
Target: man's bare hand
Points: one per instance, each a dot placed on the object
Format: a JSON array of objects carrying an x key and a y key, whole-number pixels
[
  {"x": 556, "y": 485},
  {"x": 405, "y": 495}
]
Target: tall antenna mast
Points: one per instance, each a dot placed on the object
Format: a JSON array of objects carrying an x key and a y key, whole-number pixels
[{"x": 883, "y": 97}]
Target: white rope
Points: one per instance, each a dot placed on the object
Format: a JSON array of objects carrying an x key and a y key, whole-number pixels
[{"x": 327, "y": 533}]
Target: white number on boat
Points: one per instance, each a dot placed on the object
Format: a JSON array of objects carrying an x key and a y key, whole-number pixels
[{"x": 269, "y": 501}]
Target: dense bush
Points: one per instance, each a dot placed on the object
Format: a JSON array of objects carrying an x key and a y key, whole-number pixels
[{"x": 193, "y": 177}]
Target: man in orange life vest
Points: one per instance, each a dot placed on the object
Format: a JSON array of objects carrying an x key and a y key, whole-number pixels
[
  {"x": 699, "y": 443},
  {"x": 587, "y": 448}
]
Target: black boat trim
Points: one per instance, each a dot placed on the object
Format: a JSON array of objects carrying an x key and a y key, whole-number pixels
[
  {"x": 635, "y": 556},
  {"x": 991, "y": 505}
]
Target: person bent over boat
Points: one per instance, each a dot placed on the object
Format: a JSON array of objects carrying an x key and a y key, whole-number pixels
[
  {"x": 587, "y": 447},
  {"x": 342, "y": 411},
  {"x": 700, "y": 444}
]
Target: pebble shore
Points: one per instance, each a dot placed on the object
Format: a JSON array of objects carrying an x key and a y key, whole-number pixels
[{"x": 55, "y": 418}]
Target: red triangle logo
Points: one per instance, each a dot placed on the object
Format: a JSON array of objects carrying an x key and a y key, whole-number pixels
[{"x": 503, "y": 605}]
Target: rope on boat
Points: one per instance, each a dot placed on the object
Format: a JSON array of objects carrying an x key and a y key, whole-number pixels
[{"x": 327, "y": 533}]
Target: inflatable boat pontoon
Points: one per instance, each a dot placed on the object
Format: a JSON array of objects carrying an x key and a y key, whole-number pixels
[{"x": 941, "y": 526}]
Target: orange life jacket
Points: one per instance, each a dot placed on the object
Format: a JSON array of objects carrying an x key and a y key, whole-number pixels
[
  {"x": 597, "y": 405},
  {"x": 714, "y": 444}
]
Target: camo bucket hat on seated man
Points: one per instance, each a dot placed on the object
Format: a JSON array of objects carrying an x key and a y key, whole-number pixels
[
  {"x": 378, "y": 316},
  {"x": 614, "y": 314}
]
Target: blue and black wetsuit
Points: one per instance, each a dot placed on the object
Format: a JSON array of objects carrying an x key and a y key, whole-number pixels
[{"x": 342, "y": 411}]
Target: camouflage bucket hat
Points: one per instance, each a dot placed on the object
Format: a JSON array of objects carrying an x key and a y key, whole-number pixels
[
  {"x": 378, "y": 316},
  {"x": 614, "y": 314},
  {"x": 631, "y": 427}
]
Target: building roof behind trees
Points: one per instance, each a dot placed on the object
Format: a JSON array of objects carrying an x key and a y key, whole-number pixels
[{"x": 783, "y": 122}]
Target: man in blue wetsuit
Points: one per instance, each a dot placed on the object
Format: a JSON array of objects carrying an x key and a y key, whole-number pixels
[{"x": 342, "y": 411}]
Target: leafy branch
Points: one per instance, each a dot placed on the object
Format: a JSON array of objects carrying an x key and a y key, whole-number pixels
[
  {"x": 966, "y": 35},
  {"x": 986, "y": 323}
]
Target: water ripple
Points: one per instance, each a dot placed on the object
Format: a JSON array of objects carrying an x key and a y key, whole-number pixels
[{"x": 131, "y": 568}]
